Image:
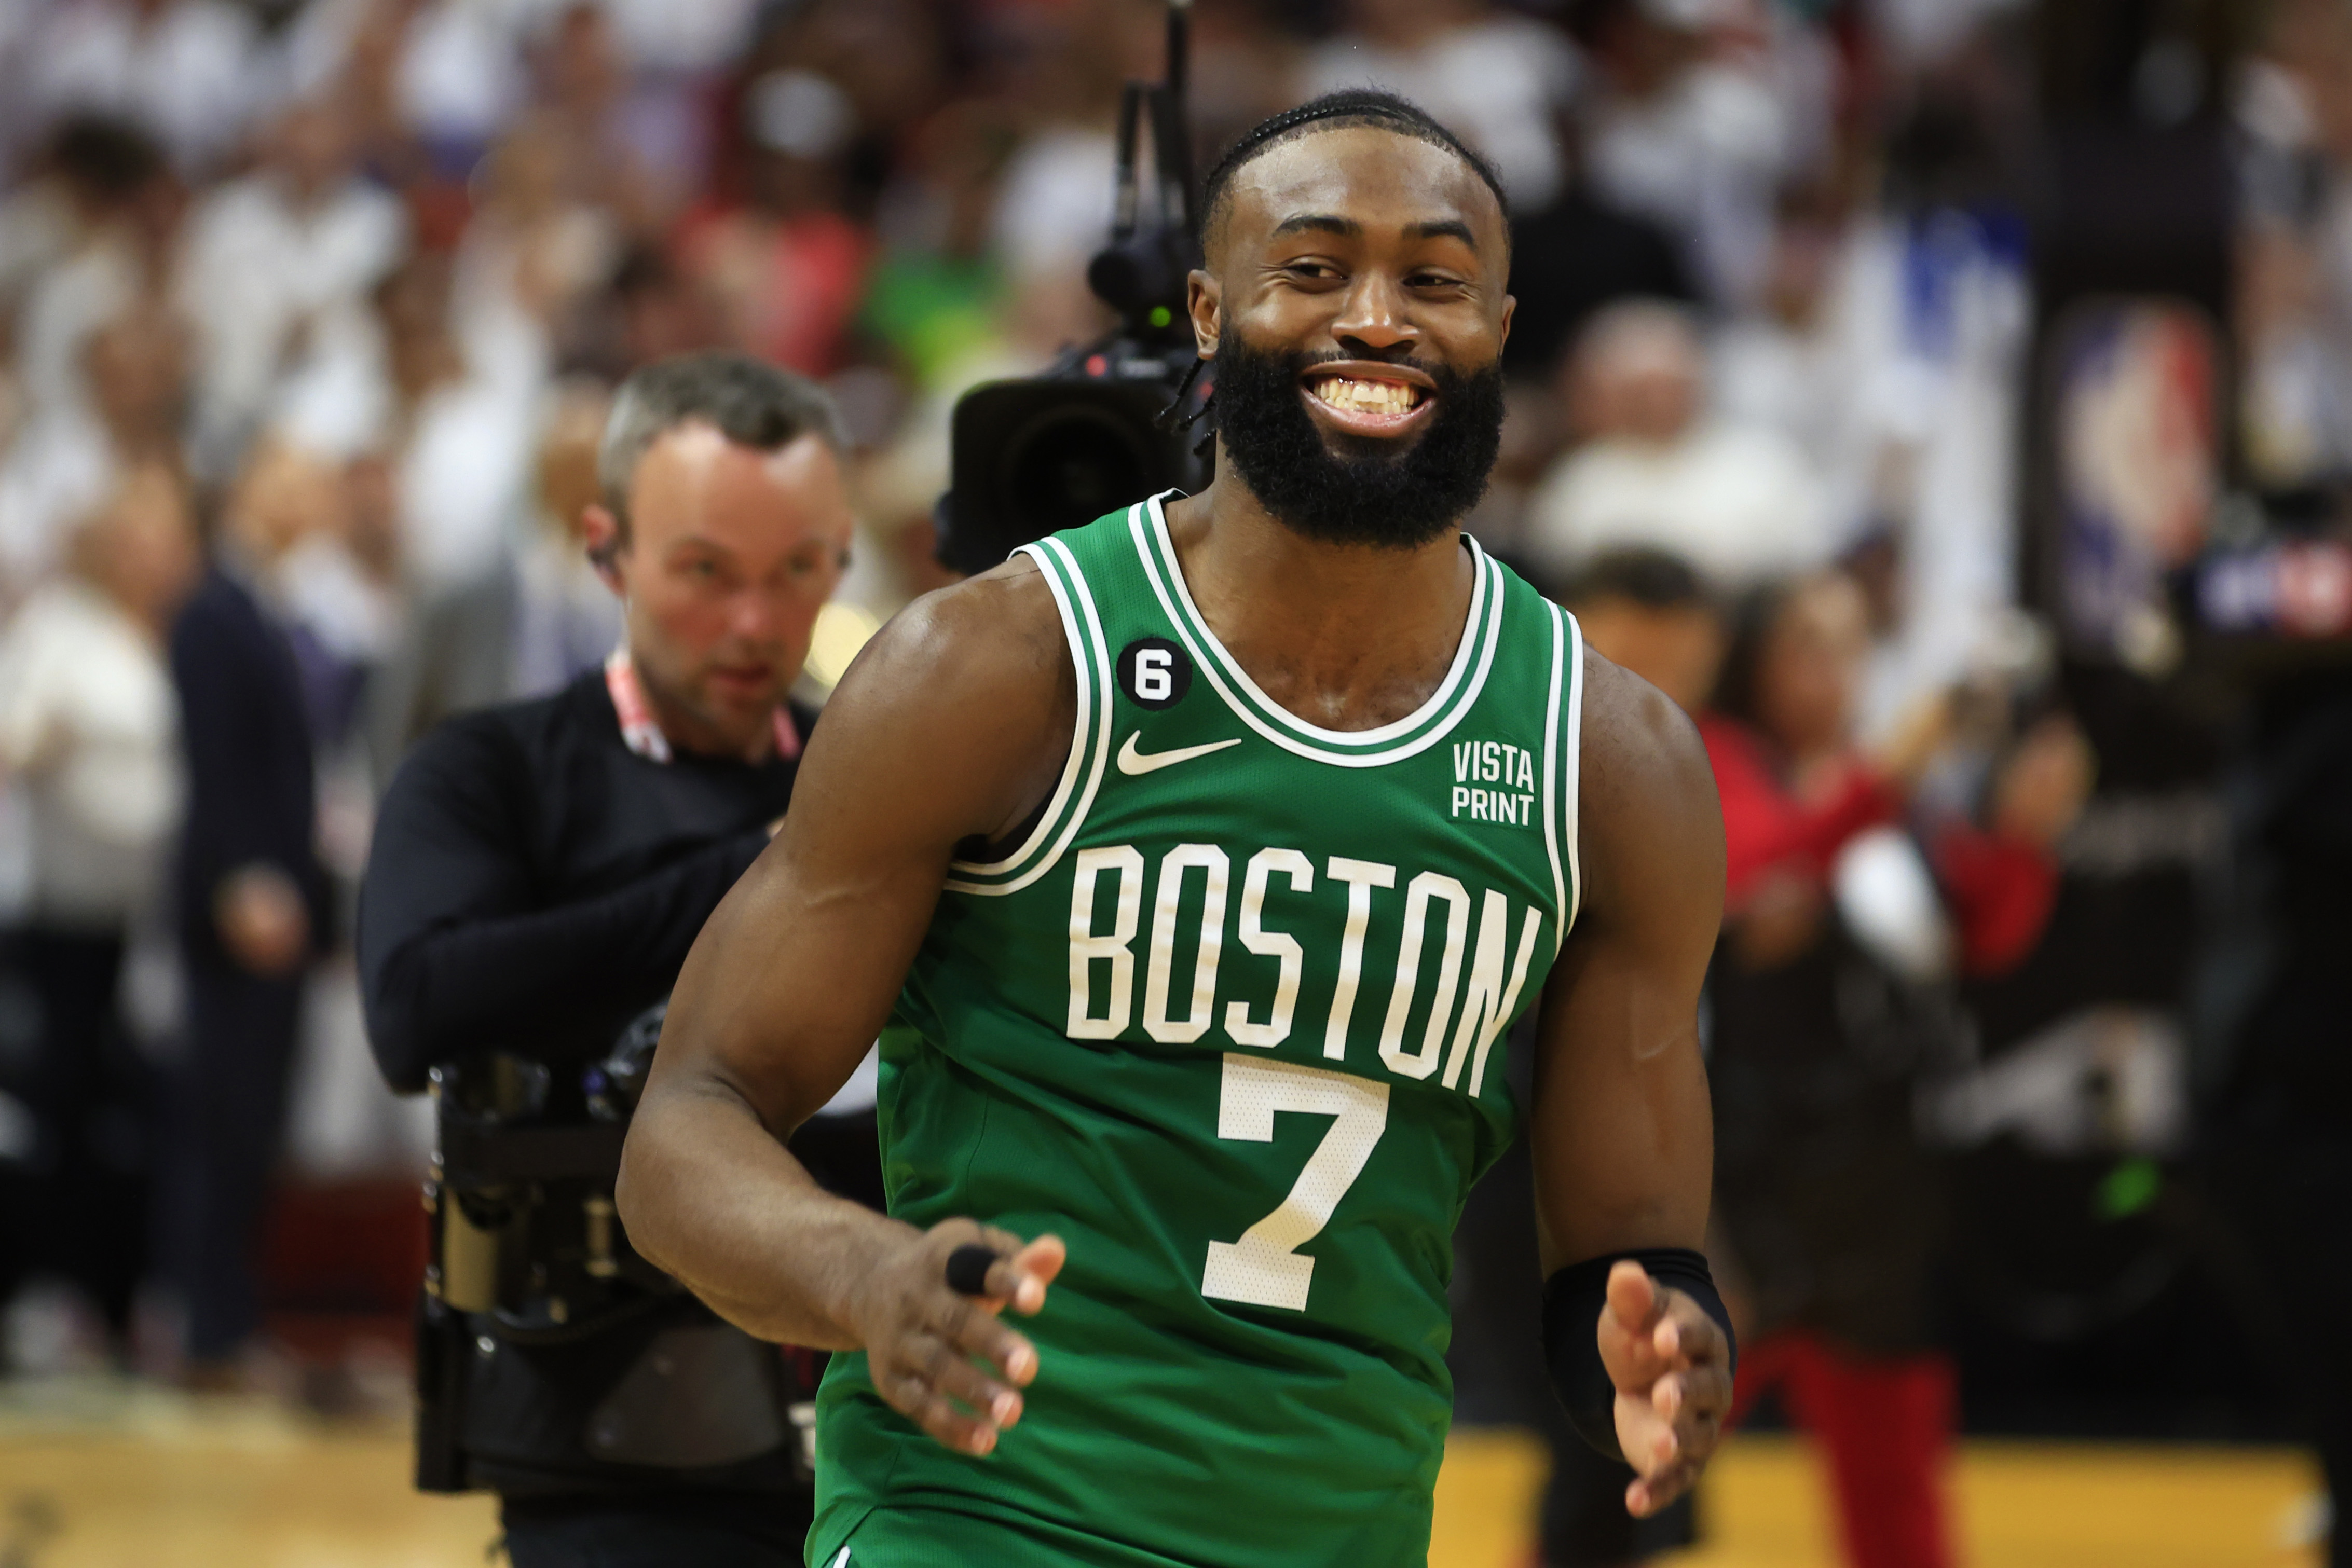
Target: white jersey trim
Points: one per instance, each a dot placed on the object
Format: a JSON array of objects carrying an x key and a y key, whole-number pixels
[
  {"x": 1561, "y": 912},
  {"x": 1573, "y": 773},
  {"x": 1397, "y": 730},
  {"x": 1208, "y": 655},
  {"x": 1090, "y": 733}
]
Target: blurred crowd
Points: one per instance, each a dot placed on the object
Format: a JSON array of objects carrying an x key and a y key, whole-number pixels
[{"x": 309, "y": 313}]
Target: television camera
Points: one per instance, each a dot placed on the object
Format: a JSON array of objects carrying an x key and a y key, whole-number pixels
[{"x": 1096, "y": 430}]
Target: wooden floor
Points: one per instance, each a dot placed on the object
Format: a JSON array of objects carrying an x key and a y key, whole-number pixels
[
  {"x": 131, "y": 1478},
  {"x": 2021, "y": 1506}
]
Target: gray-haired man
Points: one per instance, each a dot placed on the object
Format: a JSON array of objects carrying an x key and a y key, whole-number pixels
[{"x": 540, "y": 869}]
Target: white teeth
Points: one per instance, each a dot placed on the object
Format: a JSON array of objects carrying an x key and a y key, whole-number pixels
[{"x": 1367, "y": 397}]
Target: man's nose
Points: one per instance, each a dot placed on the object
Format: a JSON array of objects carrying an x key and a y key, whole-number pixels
[
  {"x": 757, "y": 615},
  {"x": 1374, "y": 320}
]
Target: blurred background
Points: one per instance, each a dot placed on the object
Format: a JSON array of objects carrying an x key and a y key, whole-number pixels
[{"x": 1949, "y": 402}]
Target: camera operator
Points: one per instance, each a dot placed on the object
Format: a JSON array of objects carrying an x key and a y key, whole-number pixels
[{"x": 540, "y": 869}]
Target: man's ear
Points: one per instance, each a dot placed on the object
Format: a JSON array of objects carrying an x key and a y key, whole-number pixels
[
  {"x": 601, "y": 532},
  {"x": 1204, "y": 302}
]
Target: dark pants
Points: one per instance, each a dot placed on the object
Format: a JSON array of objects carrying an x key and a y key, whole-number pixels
[
  {"x": 722, "y": 1531},
  {"x": 231, "y": 1109},
  {"x": 83, "y": 1195}
]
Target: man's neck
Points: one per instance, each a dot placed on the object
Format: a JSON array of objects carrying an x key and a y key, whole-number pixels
[
  {"x": 691, "y": 735},
  {"x": 1348, "y": 637}
]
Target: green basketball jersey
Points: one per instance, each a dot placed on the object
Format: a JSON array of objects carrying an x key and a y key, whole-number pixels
[{"x": 1231, "y": 1020}]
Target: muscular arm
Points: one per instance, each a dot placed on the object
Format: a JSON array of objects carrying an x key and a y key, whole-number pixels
[
  {"x": 954, "y": 722},
  {"x": 1622, "y": 1134}
]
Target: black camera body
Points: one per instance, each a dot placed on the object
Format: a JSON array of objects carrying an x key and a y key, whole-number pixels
[
  {"x": 551, "y": 1356},
  {"x": 1107, "y": 424},
  {"x": 1033, "y": 458}
]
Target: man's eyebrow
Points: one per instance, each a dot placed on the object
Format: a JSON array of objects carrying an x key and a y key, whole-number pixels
[
  {"x": 1319, "y": 223},
  {"x": 1444, "y": 228},
  {"x": 1331, "y": 223}
]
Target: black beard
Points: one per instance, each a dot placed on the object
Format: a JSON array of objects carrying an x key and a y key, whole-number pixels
[{"x": 1369, "y": 493}]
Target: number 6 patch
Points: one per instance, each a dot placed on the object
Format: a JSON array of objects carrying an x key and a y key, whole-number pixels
[{"x": 1154, "y": 673}]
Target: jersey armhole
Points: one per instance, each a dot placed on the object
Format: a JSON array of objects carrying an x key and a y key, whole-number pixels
[
  {"x": 977, "y": 851},
  {"x": 1038, "y": 844},
  {"x": 1572, "y": 772}
]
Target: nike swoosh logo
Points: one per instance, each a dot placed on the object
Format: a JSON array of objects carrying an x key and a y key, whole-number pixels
[{"x": 1133, "y": 762}]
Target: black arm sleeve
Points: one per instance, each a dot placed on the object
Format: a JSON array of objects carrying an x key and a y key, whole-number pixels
[
  {"x": 457, "y": 957},
  {"x": 1572, "y": 1301}
]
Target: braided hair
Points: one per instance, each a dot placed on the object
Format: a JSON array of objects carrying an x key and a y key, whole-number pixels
[
  {"x": 1340, "y": 110},
  {"x": 1345, "y": 109}
]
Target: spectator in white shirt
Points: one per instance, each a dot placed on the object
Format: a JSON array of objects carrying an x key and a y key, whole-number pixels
[
  {"x": 65, "y": 463},
  {"x": 448, "y": 405},
  {"x": 1739, "y": 501},
  {"x": 1500, "y": 80},
  {"x": 89, "y": 733},
  {"x": 1703, "y": 109},
  {"x": 191, "y": 71},
  {"x": 449, "y": 72},
  {"x": 86, "y": 724},
  {"x": 111, "y": 246},
  {"x": 278, "y": 265}
]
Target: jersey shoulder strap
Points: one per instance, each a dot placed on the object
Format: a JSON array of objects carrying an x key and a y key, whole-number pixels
[{"x": 1060, "y": 559}]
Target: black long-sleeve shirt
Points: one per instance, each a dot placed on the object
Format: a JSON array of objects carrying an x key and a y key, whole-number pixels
[{"x": 534, "y": 884}]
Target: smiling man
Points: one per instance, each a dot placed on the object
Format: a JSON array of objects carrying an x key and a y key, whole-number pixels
[{"x": 1197, "y": 861}]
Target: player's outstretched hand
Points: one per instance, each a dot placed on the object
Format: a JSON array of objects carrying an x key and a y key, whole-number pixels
[
  {"x": 941, "y": 1358},
  {"x": 1671, "y": 1367}
]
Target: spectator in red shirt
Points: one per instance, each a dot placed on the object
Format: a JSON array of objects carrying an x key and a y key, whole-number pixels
[{"x": 1826, "y": 1202}]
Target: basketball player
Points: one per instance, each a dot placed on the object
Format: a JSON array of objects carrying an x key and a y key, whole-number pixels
[{"x": 1207, "y": 852}]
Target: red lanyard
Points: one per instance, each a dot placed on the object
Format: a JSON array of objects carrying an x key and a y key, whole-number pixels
[{"x": 643, "y": 736}]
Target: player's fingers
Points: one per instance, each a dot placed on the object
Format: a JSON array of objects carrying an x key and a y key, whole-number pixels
[
  {"x": 1634, "y": 1298},
  {"x": 1022, "y": 1271},
  {"x": 940, "y": 1416},
  {"x": 911, "y": 1381},
  {"x": 1696, "y": 1429},
  {"x": 1650, "y": 1494},
  {"x": 1645, "y": 1436},
  {"x": 1703, "y": 1390},
  {"x": 953, "y": 1374},
  {"x": 1629, "y": 1355},
  {"x": 978, "y": 1334},
  {"x": 1043, "y": 1258},
  {"x": 1685, "y": 1335}
]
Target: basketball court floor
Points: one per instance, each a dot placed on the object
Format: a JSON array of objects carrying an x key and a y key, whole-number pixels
[{"x": 122, "y": 1475}]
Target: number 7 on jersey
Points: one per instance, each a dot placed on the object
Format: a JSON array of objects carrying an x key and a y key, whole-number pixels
[{"x": 1265, "y": 1268}]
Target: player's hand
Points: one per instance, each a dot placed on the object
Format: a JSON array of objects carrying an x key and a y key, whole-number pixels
[
  {"x": 943, "y": 1359},
  {"x": 1671, "y": 1367}
]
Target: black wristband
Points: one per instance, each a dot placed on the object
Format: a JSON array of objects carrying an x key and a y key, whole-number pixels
[
  {"x": 1572, "y": 1301},
  {"x": 968, "y": 1268}
]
